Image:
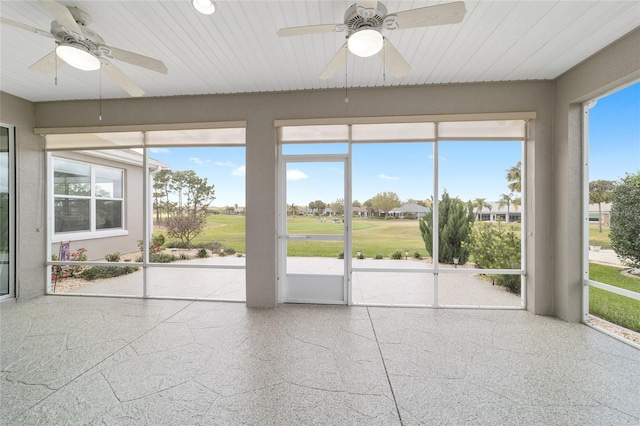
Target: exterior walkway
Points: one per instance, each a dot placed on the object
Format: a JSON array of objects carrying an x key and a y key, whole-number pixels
[
  {"x": 411, "y": 287},
  {"x": 81, "y": 360}
]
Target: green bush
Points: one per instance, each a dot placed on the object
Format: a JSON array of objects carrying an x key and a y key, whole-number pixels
[
  {"x": 625, "y": 220},
  {"x": 202, "y": 253},
  {"x": 97, "y": 272},
  {"x": 496, "y": 247},
  {"x": 379, "y": 256},
  {"x": 417, "y": 255},
  {"x": 454, "y": 227},
  {"x": 113, "y": 257},
  {"x": 397, "y": 255},
  {"x": 341, "y": 255}
]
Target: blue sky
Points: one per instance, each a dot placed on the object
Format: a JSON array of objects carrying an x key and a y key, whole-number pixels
[
  {"x": 467, "y": 169},
  {"x": 614, "y": 135}
]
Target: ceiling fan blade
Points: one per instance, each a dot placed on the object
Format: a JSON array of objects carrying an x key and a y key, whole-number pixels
[
  {"x": 309, "y": 29},
  {"x": 368, "y": 4},
  {"x": 47, "y": 64},
  {"x": 338, "y": 60},
  {"x": 138, "y": 60},
  {"x": 122, "y": 80},
  {"x": 62, "y": 15},
  {"x": 394, "y": 60},
  {"x": 26, "y": 27},
  {"x": 441, "y": 14}
]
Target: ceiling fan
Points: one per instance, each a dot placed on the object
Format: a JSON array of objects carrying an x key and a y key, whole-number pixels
[
  {"x": 84, "y": 49},
  {"x": 363, "y": 24}
]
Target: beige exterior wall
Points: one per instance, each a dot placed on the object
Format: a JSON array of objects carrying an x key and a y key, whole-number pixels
[
  {"x": 615, "y": 66},
  {"x": 553, "y": 153},
  {"x": 97, "y": 248},
  {"x": 30, "y": 215}
]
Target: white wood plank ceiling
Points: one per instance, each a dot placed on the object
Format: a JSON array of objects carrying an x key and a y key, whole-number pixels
[{"x": 237, "y": 50}]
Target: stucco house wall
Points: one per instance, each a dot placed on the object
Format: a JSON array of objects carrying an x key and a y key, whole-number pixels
[{"x": 97, "y": 247}]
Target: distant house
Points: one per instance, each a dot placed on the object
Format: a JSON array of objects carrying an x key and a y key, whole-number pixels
[
  {"x": 496, "y": 213},
  {"x": 594, "y": 212},
  {"x": 409, "y": 209},
  {"x": 360, "y": 212}
]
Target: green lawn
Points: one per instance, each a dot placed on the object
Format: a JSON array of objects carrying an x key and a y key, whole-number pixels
[
  {"x": 371, "y": 236},
  {"x": 597, "y": 238},
  {"x": 612, "y": 307}
]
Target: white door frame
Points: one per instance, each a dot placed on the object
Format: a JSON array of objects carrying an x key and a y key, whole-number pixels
[{"x": 285, "y": 293}]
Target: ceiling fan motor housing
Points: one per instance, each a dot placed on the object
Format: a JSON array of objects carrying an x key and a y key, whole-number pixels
[{"x": 357, "y": 17}]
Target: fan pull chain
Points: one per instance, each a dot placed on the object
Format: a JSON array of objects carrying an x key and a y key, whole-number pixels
[
  {"x": 55, "y": 79},
  {"x": 100, "y": 100},
  {"x": 346, "y": 82},
  {"x": 384, "y": 62}
]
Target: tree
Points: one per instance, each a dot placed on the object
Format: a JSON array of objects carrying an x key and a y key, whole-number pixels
[
  {"x": 625, "y": 220},
  {"x": 514, "y": 176},
  {"x": 508, "y": 200},
  {"x": 418, "y": 202},
  {"x": 293, "y": 209},
  {"x": 185, "y": 226},
  {"x": 337, "y": 206},
  {"x": 161, "y": 191},
  {"x": 600, "y": 191},
  {"x": 186, "y": 217},
  {"x": 455, "y": 219},
  {"x": 385, "y": 201},
  {"x": 317, "y": 206},
  {"x": 480, "y": 204},
  {"x": 367, "y": 204},
  {"x": 356, "y": 203}
]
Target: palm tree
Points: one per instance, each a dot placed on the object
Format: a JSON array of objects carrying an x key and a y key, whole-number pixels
[
  {"x": 600, "y": 191},
  {"x": 508, "y": 200},
  {"x": 480, "y": 204},
  {"x": 514, "y": 176}
]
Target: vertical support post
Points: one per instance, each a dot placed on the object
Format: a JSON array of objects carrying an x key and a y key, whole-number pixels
[
  {"x": 435, "y": 219},
  {"x": 145, "y": 216},
  {"x": 585, "y": 208}
]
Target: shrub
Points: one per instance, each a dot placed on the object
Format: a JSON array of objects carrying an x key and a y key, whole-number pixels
[
  {"x": 97, "y": 272},
  {"x": 379, "y": 256},
  {"x": 625, "y": 220},
  {"x": 496, "y": 247},
  {"x": 230, "y": 250},
  {"x": 239, "y": 255},
  {"x": 417, "y": 255},
  {"x": 113, "y": 257},
  {"x": 162, "y": 258},
  {"x": 397, "y": 255},
  {"x": 341, "y": 255},
  {"x": 455, "y": 220},
  {"x": 202, "y": 253},
  {"x": 183, "y": 256},
  {"x": 360, "y": 256}
]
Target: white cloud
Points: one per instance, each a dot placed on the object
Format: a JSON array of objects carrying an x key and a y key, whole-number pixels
[
  {"x": 199, "y": 161},
  {"x": 296, "y": 175},
  {"x": 224, "y": 163},
  {"x": 383, "y": 176},
  {"x": 159, "y": 150},
  {"x": 240, "y": 171}
]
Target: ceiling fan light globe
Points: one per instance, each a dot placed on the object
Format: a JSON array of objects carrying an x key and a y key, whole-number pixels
[
  {"x": 365, "y": 43},
  {"x": 206, "y": 7},
  {"x": 78, "y": 58}
]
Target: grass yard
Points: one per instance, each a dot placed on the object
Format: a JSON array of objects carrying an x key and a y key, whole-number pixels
[
  {"x": 612, "y": 307},
  {"x": 371, "y": 236},
  {"x": 597, "y": 238}
]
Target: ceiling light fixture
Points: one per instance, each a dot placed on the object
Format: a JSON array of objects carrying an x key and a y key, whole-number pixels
[
  {"x": 365, "y": 43},
  {"x": 206, "y": 7},
  {"x": 78, "y": 57}
]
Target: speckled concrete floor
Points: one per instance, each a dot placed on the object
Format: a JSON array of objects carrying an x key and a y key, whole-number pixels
[{"x": 79, "y": 360}]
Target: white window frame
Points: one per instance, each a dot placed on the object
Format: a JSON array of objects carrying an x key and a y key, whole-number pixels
[{"x": 92, "y": 233}]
